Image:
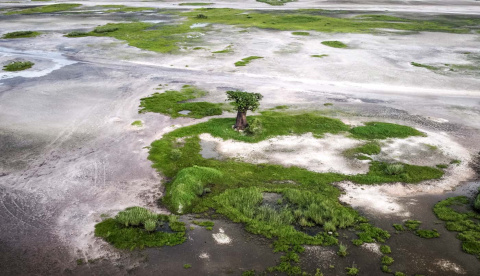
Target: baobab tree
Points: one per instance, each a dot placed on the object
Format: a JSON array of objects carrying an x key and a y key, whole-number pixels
[{"x": 243, "y": 101}]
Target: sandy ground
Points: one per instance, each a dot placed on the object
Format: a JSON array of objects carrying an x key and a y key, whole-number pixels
[{"x": 69, "y": 153}]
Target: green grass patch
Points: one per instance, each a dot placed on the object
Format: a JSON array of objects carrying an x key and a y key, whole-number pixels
[
  {"x": 195, "y": 4},
  {"x": 353, "y": 270},
  {"x": 459, "y": 217},
  {"x": 398, "y": 227},
  {"x": 276, "y": 2},
  {"x": 18, "y": 66},
  {"x": 187, "y": 266},
  {"x": 319, "y": 56},
  {"x": 429, "y": 67},
  {"x": 427, "y": 234},
  {"x": 76, "y": 34},
  {"x": 387, "y": 260},
  {"x": 311, "y": 20},
  {"x": 46, "y": 9},
  {"x": 21, "y": 34},
  {"x": 371, "y": 148},
  {"x": 120, "y": 8},
  {"x": 207, "y": 224},
  {"x": 441, "y": 166},
  {"x": 137, "y": 123},
  {"x": 246, "y": 60},
  {"x": 136, "y": 227},
  {"x": 163, "y": 39},
  {"x": 412, "y": 224},
  {"x": 301, "y": 33},
  {"x": 172, "y": 102},
  {"x": 334, "y": 44},
  {"x": 228, "y": 49},
  {"x": 379, "y": 130},
  {"x": 385, "y": 249}
]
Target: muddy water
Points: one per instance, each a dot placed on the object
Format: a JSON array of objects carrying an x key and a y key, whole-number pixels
[{"x": 412, "y": 254}]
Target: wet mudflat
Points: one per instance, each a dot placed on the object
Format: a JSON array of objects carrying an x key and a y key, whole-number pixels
[{"x": 70, "y": 154}]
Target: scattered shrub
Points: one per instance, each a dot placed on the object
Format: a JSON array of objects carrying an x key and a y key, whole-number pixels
[
  {"x": 342, "y": 250},
  {"x": 353, "y": 270},
  {"x": 187, "y": 266},
  {"x": 334, "y": 44},
  {"x": 105, "y": 29},
  {"x": 412, "y": 224},
  {"x": 150, "y": 225},
  {"x": 76, "y": 34},
  {"x": 201, "y": 16},
  {"x": 254, "y": 127},
  {"x": 398, "y": 227},
  {"x": 427, "y": 234}
]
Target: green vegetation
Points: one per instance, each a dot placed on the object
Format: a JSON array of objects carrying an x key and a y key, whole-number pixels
[
  {"x": 427, "y": 234},
  {"x": 244, "y": 101},
  {"x": 187, "y": 266},
  {"x": 319, "y": 56},
  {"x": 18, "y": 66},
  {"x": 21, "y": 34},
  {"x": 46, "y": 9},
  {"x": 398, "y": 227},
  {"x": 385, "y": 249},
  {"x": 455, "y": 161},
  {"x": 395, "y": 169},
  {"x": 172, "y": 102},
  {"x": 276, "y": 2},
  {"x": 137, "y": 123},
  {"x": 334, "y": 44},
  {"x": 386, "y": 269},
  {"x": 105, "y": 29},
  {"x": 371, "y": 148},
  {"x": 165, "y": 38},
  {"x": 476, "y": 203},
  {"x": 412, "y": 224},
  {"x": 441, "y": 166},
  {"x": 459, "y": 217},
  {"x": 353, "y": 270},
  {"x": 228, "y": 49},
  {"x": 387, "y": 260},
  {"x": 125, "y": 231},
  {"x": 328, "y": 104},
  {"x": 342, "y": 250},
  {"x": 207, "y": 224},
  {"x": 162, "y": 38},
  {"x": 281, "y": 107},
  {"x": 398, "y": 273},
  {"x": 120, "y": 8},
  {"x": 301, "y": 33},
  {"x": 424, "y": 66},
  {"x": 195, "y": 4},
  {"x": 429, "y": 67},
  {"x": 378, "y": 130},
  {"x": 76, "y": 34},
  {"x": 246, "y": 60}
]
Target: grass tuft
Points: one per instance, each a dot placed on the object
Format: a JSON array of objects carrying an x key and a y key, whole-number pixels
[
  {"x": 137, "y": 123},
  {"x": 135, "y": 228},
  {"x": 334, "y": 44},
  {"x": 246, "y": 60},
  {"x": 301, "y": 33},
  {"x": 46, "y": 9},
  {"x": 427, "y": 234},
  {"x": 18, "y": 66},
  {"x": 20, "y": 34}
]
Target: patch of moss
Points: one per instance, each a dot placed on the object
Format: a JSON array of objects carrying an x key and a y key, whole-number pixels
[
  {"x": 172, "y": 102},
  {"x": 276, "y": 2},
  {"x": 76, "y": 34},
  {"x": 385, "y": 249},
  {"x": 46, "y": 9},
  {"x": 246, "y": 60},
  {"x": 20, "y": 34},
  {"x": 18, "y": 66},
  {"x": 334, "y": 44}
]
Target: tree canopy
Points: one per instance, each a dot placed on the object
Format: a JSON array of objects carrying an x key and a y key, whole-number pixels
[{"x": 244, "y": 101}]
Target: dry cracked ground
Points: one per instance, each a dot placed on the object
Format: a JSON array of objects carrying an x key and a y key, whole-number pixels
[{"x": 69, "y": 154}]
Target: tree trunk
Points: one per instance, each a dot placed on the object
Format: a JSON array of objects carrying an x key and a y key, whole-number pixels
[{"x": 241, "y": 123}]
